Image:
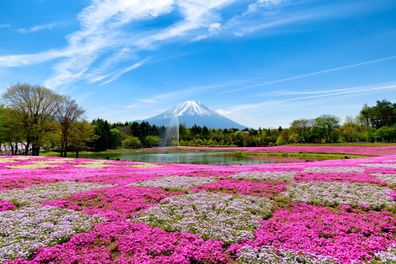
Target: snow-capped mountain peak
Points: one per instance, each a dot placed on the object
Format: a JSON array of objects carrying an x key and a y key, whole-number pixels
[
  {"x": 190, "y": 107},
  {"x": 192, "y": 113}
]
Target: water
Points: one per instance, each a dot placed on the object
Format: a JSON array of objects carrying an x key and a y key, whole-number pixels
[{"x": 224, "y": 158}]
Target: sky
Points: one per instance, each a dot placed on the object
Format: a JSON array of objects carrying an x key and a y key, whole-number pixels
[{"x": 262, "y": 63}]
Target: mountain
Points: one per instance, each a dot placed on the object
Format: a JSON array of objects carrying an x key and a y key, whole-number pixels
[{"x": 192, "y": 113}]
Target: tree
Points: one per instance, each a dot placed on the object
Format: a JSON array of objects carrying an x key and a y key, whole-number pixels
[
  {"x": 34, "y": 107},
  {"x": 102, "y": 140},
  {"x": 380, "y": 115},
  {"x": 302, "y": 127},
  {"x": 81, "y": 134},
  {"x": 115, "y": 138},
  {"x": 131, "y": 142},
  {"x": 387, "y": 134},
  {"x": 67, "y": 115},
  {"x": 324, "y": 128},
  {"x": 152, "y": 141},
  {"x": 10, "y": 131}
]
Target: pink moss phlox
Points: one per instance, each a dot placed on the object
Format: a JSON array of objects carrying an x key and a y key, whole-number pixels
[
  {"x": 128, "y": 242},
  {"x": 6, "y": 205},
  {"x": 265, "y": 188},
  {"x": 22, "y": 182},
  {"x": 357, "y": 150},
  {"x": 337, "y": 176},
  {"x": 345, "y": 235},
  {"x": 114, "y": 203},
  {"x": 393, "y": 195}
]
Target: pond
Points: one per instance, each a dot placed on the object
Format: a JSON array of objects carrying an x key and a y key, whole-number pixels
[{"x": 201, "y": 157}]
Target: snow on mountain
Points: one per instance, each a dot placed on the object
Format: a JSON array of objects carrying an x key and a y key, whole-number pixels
[{"x": 192, "y": 113}]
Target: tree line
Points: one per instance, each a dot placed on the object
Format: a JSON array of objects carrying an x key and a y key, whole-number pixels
[{"x": 34, "y": 118}]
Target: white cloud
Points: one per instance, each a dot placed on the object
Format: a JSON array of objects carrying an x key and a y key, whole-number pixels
[
  {"x": 310, "y": 96},
  {"x": 37, "y": 28},
  {"x": 310, "y": 74},
  {"x": 94, "y": 52},
  {"x": 5, "y": 25}
]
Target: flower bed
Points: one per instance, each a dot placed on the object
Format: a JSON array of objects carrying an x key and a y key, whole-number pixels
[
  {"x": 344, "y": 235},
  {"x": 336, "y": 193},
  {"x": 265, "y": 175},
  {"x": 113, "y": 203},
  {"x": 211, "y": 215},
  {"x": 335, "y": 211},
  {"x": 265, "y": 189},
  {"x": 338, "y": 177},
  {"x": 127, "y": 242},
  {"x": 268, "y": 255},
  {"x": 25, "y": 230},
  {"x": 176, "y": 183},
  {"x": 41, "y": 193}
]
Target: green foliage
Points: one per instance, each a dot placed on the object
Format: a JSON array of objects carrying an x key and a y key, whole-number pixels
[
  {"x": 152, "y": 141},
  {"x": 115, "y": 138},
  {"x": 131, "y": 142}
]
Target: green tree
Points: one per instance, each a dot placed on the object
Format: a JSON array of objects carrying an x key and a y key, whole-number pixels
[
  {"x": 324, "y": 128},
  {"x": 102, "y": 140},
  {"x": 10, "y": 130},
  {"x": 81, "y": 135},
  {"x": 68, "y": 114},
  {"x": 115, "y": 138},
  {"x": 131, "y": 142},
  {"x": 152, "y": 141},
  {"x": 34, "y": 107}
]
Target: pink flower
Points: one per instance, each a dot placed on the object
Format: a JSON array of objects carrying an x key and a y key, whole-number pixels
[
  {"x": 5, "y": 206},
  {"x": 344, "y": 235}
]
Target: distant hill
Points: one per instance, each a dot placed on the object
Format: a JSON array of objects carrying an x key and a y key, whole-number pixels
[{"x": 192, "y": 113}]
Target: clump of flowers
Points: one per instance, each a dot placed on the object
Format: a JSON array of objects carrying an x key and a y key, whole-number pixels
[
  {"x": 93, "y": 164},
  {"x": 211, "y": 215},
  {"x": 177, "y": 183},
  {"x": 25, "y": 230},
  {"x": 337, "y": 193},
  {"x": 144, "y": 165},
  {"x": 268, "y": 255},
  {"x": 266, "y": 189},
  {"x": 128, "y": 242},
  {"x": 33, "y": 165},
  {"x": 5, "y": 206},
  {"x": 22, "y": 182},
  {"x": 265, "y": 175},
  {"x": 335, "y": 169},
  {"x": 388, "y": 178},
  {"x": 41, "y": 193},
  {"x": 344, "y": 235},
  {"x": 386, "y": 257},
  {"x": 113, "y": 203},
  {"x": 336, "y": 177},
  {"x": 379, "y": 165}
]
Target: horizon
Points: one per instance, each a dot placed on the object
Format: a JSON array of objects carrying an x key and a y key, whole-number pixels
[{"x": 261, "y": 63}]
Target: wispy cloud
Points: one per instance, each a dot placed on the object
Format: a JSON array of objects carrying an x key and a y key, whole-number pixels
[
  {"x": 102, "y": 31},
  {"x": 5, "y": 25},
  {"x": 114, "y": 76},
  {"x": 309, "y": 95},
  {"x": 36, "y": 28},
  {"x": 105, "y": 42},
  {"x": 310, "y": 74}
]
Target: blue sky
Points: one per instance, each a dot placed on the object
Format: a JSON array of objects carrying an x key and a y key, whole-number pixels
[{"x": 262, "y": 63}]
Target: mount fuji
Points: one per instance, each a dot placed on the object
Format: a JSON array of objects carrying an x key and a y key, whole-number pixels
[{"x": 192, "y": 113}]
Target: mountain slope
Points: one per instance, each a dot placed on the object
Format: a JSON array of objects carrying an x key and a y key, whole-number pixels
[{"x": 192, "y": 113}]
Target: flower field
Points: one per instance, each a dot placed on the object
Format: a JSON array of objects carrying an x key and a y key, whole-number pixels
[{"x": 56, "y": 210}]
